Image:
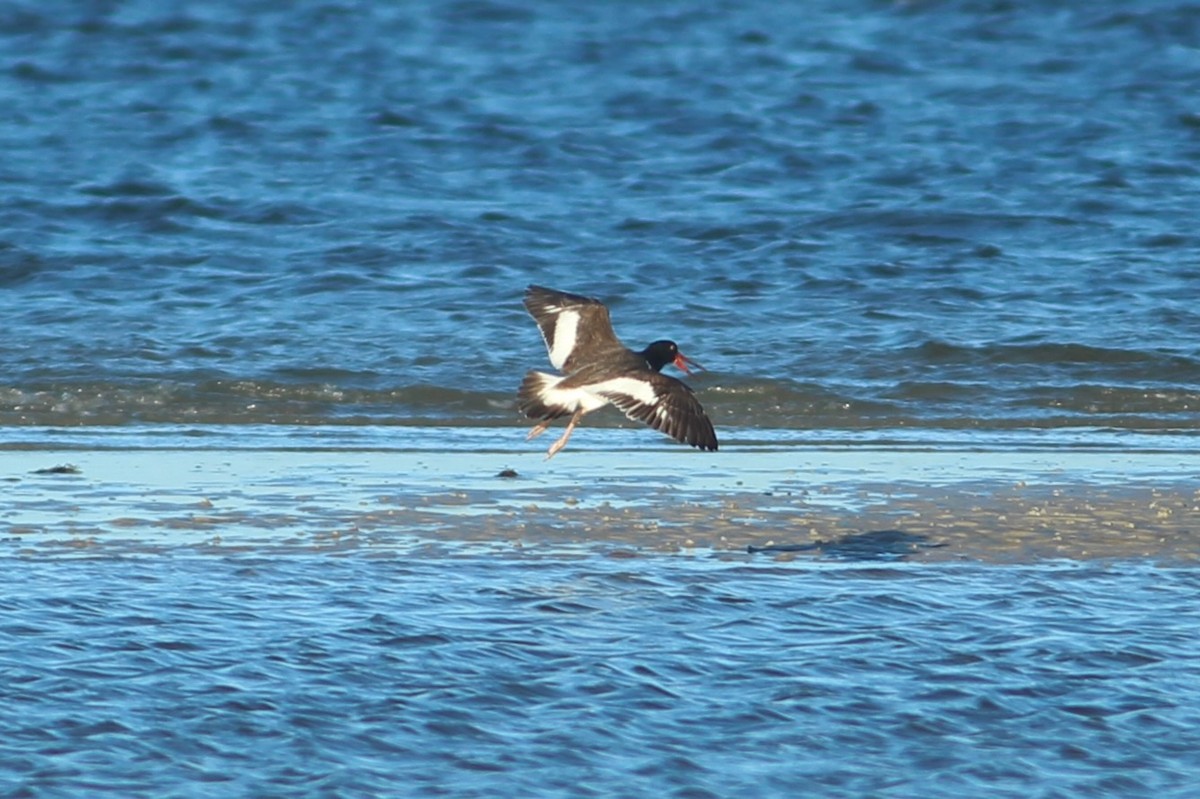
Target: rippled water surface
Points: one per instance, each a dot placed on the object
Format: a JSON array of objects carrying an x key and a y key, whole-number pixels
[
  {"x": 269, "y": 526},
  {"x": 468, "y": 676},
  {"x": 968, "y": 215}
]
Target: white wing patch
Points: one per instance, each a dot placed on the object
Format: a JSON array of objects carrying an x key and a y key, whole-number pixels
[
  {"x": 566, "y": 325},
  {"x": 640, "y": 391},
  {"x": 625, "y": 390},
  {"x": 571, "y": 399}
]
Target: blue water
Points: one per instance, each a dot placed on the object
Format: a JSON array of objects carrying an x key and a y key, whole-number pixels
[
  {"x": 931, "y": 215},
  {"x": 250, "y": 676},
  {"x": 888, "y": 227}
]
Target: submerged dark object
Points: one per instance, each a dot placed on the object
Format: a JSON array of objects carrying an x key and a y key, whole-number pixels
[
  {"x": 873, "y": 545},
  {"x": 64, "y": 468}
]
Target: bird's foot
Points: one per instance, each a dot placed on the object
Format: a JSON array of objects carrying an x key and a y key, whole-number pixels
[
  {"x": 562, "y": 442},
  {"x": 556, "y": 446}
]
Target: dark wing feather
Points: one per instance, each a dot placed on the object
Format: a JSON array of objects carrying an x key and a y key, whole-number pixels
[
  {"x": 676, "y": 412},
  {"x": 592, "y": 329}
]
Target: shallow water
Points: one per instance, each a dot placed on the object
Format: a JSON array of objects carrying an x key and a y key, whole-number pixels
[
  {"x": 325, "y": 621},
  {"x": 468, "y": 676},
  {"x": 312, "y": 489}
]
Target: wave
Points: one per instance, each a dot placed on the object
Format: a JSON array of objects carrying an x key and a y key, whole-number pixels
[
  {"x": 233, "y": 402},
  {"x": 776, "y": 404},
  {"x": 1161, "y": 364}
]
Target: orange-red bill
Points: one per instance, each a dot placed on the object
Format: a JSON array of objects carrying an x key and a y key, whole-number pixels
[{"x": 683, "y": 362}]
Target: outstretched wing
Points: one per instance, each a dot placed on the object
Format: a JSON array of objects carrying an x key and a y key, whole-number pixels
[
  {"x": 572, "y": 325},
  {"x": 664, "y": 403}
]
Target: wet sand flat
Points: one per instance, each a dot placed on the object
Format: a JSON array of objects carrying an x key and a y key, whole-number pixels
[
  {"x": 928, "y": 506},
  {"x": 866, "y": 620}
]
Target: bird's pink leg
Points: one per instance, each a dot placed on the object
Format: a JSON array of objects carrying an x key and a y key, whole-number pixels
[
  {"x": 562, "y": 442},
  {"x": 537, "y": 431}
]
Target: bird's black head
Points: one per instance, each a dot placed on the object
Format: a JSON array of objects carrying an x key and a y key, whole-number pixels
[
  {"x": 663, "y": 352},
  {"x": 660, "y": 353}
]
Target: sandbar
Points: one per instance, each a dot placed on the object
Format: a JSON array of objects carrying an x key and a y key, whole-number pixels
[{"x": 755, "y": 503}]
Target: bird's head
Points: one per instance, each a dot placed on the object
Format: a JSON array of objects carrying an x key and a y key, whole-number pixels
[{"x": 664, "y": 352}]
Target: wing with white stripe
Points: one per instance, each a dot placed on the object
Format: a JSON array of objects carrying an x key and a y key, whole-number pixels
[
  {"x": 572, "y": 325},
  {"x": 664, "y": 403}
]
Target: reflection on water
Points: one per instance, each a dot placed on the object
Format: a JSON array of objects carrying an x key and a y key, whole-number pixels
[{"x": 653, "y": 676}]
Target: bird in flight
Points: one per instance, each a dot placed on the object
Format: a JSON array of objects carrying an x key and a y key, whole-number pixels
[{"x": 598, "y": 370}]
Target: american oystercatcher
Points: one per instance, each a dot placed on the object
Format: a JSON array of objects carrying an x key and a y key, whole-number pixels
[{"x": 597, "y": 369}]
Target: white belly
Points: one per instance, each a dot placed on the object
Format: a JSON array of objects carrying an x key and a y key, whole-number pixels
[{"x": 574, "y": 399}]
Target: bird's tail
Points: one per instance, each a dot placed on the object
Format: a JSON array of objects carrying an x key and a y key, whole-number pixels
[{"x": 531, "y": 396}]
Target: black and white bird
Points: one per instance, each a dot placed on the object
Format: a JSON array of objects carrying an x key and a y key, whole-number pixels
[{"x": 598, "y": 370}]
